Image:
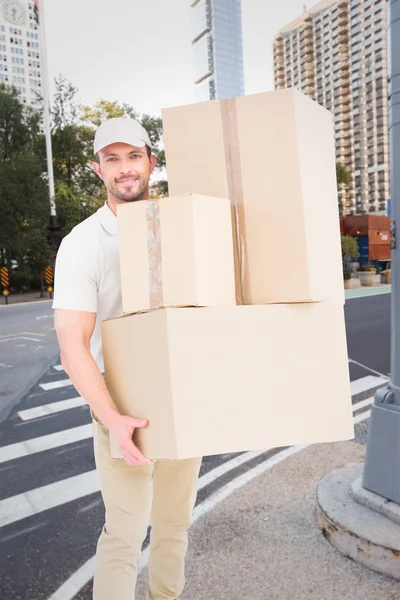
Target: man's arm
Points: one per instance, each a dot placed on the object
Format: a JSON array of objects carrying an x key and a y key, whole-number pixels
[{"x": 74, "y": 329}]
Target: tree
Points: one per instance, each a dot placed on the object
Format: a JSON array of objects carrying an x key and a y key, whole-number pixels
[
  {"x": 349, "y": 248},
  {"x": 104, "y": 110},
  {"x": 343, "y": 175},
  {"x": 24, "y": 205},
  {"x": 343, "y": 178},
  {"x": 79, "y": 192}
]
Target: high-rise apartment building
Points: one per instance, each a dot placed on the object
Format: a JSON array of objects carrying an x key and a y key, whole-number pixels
[
  {"x": 336, "y": 53},
  {"x": 217, "y": 49},
  {"x": 20, "y": 50}
]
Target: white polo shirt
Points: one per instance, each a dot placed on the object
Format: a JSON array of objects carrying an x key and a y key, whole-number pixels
[{"x": 87, "y": 275}]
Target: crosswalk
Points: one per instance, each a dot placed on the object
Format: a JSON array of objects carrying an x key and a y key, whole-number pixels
[{"x": 47, "y": 468}]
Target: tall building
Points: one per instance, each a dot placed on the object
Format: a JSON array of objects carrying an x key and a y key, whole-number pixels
[
  {"x": 20, "y": 50},
  {"x": 217, "y": 49},
  {"x": 336, "y": 53}
]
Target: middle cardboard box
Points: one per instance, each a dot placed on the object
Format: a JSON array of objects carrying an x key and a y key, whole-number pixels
[{"x": 176, "y": 252}]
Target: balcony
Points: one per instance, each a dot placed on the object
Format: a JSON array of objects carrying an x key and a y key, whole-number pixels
[{"x": 307, "y": 51}]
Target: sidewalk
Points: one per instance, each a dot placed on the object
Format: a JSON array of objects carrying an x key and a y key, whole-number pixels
[
  {"x": 21, "y": 298},
  {"x": 262, "y": 542}
]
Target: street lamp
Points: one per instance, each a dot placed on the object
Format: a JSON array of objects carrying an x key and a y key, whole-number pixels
[{"x": 382, "y": 463}]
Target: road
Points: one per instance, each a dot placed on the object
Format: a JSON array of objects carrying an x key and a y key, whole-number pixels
[
  {"x": 51, "y": 511},
  {"x": 28, "y": 346}
]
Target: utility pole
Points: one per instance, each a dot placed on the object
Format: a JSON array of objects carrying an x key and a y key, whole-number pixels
[
  {"x": 382, "y": 463},
  {"x": 40, "y": 19}
]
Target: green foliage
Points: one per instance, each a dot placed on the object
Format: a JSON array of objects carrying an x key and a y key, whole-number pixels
[
  {"x": 349, "y": 248},
  {"x": 24, "y": 204},
  {"x": 343, "y": 175},
  {"x": 24, "y": 195},
  {"x": 347, "y": 274}
]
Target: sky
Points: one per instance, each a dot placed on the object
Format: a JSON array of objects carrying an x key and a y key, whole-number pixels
[{"x": 139, "y": 51}]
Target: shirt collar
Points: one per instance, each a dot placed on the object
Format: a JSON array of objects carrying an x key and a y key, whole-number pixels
[{"x": 108, "y": 219}]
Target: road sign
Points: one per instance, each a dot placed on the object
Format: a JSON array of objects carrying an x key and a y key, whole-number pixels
[
  {"x": 4, "y": 277},
  {"x": 5, "y": 293},
  {"x": 49, "y": 276},
  {"x": 50, "y": 289}
]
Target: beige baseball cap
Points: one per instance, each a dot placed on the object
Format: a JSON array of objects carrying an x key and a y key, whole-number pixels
[{"x": 121, "y": 129}]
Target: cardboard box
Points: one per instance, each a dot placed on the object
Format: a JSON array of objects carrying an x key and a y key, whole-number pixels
[
  {"x": 273, "y": 155},
  {"x": 220, "y": 380},
  {"x": 176, "y": 251}
]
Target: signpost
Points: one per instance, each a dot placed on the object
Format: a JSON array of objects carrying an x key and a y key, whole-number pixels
[{"x": 4, "y": 282}]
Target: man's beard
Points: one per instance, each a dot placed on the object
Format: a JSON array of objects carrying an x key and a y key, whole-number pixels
[{"x": 129, "y": 196}]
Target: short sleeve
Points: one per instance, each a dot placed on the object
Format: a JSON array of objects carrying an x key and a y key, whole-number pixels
[{"x": 76, "y": 275}]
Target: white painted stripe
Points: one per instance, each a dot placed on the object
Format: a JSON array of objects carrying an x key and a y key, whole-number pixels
[
  {"x": 49, "y": 496},
  {"x": 45, "y": 442},
  {"x": 363, "y": 404},
  {"x": 367, "y": 368},
  {"x": 48, "y": 409},
  {"x": 76, "y": 582},
  {"x": 58, "y": 367},
  {"x": 11, "y": 335},
  {"x": 21, "y": 337},
  {"x": 53, "y": 385},
  {"x": 80, "y": 578},
  {"x": 362, "y": 417},
  {"x": 366, "y": 383},
  {"x": 214, "y": 474}
]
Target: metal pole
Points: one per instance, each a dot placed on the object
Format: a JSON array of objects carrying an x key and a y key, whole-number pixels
[
  {"x": 382, "y": 463},
  {"x": 46, "y": 113}
]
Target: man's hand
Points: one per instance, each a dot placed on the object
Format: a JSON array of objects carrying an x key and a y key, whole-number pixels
[{"x": 122, "y": 429}]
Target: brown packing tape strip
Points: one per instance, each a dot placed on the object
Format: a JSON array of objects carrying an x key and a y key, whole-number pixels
[
  {"x": 155, "y": 254},
  {"x": 235, "y": 190}
]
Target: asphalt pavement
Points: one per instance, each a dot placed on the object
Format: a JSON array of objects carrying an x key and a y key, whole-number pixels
[
  {"x": 28, "y": 346},
  {"x": 51, "y": 511}
]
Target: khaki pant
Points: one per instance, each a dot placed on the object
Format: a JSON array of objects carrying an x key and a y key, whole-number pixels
[{"x": 163, "y": 493}]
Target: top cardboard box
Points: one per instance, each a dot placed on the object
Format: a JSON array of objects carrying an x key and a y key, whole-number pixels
[{"x": 273, "y": 156}]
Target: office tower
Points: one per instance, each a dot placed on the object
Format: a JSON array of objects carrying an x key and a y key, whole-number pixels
[
  {"x": 336, "y": 53},
  {"x": 217, "y": 49},
  {"x": 20, "y": 50}
]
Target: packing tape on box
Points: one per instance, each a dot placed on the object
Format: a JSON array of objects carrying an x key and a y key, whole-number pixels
[
  {"x": 235, "y": 189},
  {"x": 155, "y": 254}
]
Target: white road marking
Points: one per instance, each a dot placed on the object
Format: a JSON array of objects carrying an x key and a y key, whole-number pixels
[
  {"x": 5, "y": 366},
  {"x": 14, "y": 335},
  {"x": 52, "y": 408},
  {"x": 20, "y": 337},
  {"x": 71, "y": 587},
  {"x": 366, "y": 383},
  {"x": 45, "y": 442},
  {"x": 76, "y": 582},
  {"x": 49, "y": 496},
  {"x": 355, "y": 362},
  {"x": 58, "y": 367},
  {"x": 41, "y": 317},
  {"x": 363, "y": 404},
  {"x": 53, "y": 385},
  {"x": 362, "y": 417}
]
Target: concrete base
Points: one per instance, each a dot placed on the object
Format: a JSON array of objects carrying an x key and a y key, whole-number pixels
[
  {"x": 381, "y": 505},
  {"x": 359, "y": 531}
]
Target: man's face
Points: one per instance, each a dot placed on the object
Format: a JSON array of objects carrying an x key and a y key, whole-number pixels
[{"x": 125, "y": 171}]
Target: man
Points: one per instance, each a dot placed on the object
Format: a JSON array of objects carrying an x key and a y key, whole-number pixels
[{"x": 135, "y": 489}]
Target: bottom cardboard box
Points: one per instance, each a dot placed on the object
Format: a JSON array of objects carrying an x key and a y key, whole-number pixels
[{"x": 228, "y": 379}]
